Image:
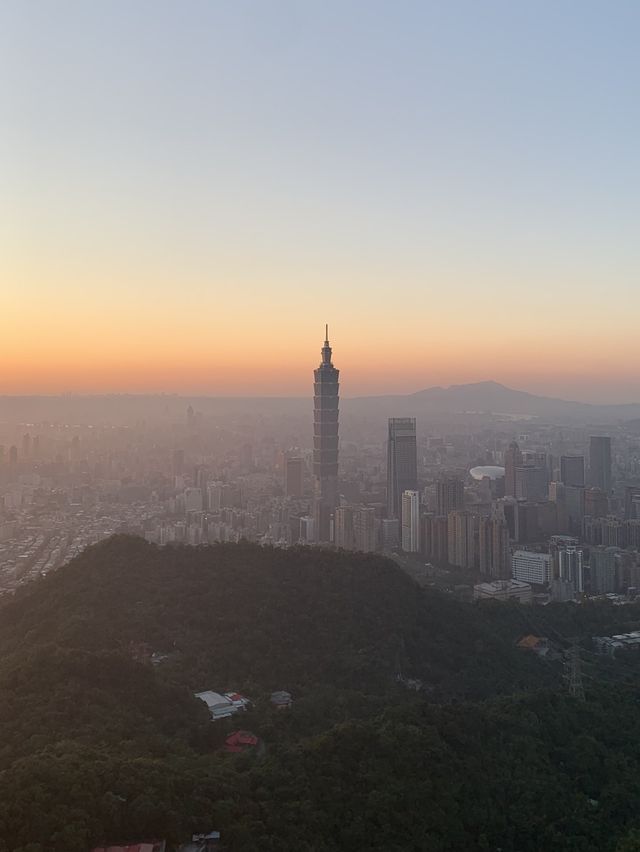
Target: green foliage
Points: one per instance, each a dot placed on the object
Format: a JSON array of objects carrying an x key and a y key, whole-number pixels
[{"x": 96, "y": 747}]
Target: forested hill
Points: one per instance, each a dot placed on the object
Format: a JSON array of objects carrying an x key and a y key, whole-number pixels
[
  {"x": 243, "y": 616},
  {"x": 97, "y": 745}
]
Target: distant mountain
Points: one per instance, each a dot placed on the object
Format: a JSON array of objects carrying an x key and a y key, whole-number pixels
[
  {"x": 480, "y": 397},
  {"x": 493, "y": 398}
]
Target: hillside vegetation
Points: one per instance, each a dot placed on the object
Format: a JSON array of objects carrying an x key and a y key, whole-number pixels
[{"x": 97, "y": 745}]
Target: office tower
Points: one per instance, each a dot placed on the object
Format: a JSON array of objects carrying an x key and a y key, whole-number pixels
[
  {"x": 343, "y": 529},
  {"x": 527, "y": 522},
  {"x": 493, "y": 547},
  {"x": 461, "y": 529},
  {"x": 512, "y": 460},
  {"x": 2, "y": 458},
  {"x": 596, "y": 503},
  {"x": 572, "y": 470},
  {"x": 402, "y": 462},
  {"x": 13, "y": 455},
  {"x": 410, "y": 521},
  {"x": 364, "y": 528},
  {"x": 532, "y": 482},
  {"x": 574, "y": 500},
  {"x": 325, "y": 442},
  {"x": 600, "y": 463},
  {"x": 449, "y": 495},
  {"x": 570, "y": 566},
  {"x": 293, "y": 476},
  {"x": 531, "y": 567}
]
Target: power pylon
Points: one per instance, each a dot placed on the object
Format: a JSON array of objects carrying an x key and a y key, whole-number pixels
[{"x": 573, "y": 673}]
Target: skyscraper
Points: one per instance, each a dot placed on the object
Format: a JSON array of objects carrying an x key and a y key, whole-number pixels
[
  {"x": 364, "y": 528},
  {"x": 512, "y": 460},
  {"x": 325, "y": 442},
  {"x": 402, "y": 462},
  {"x": 293, "y": 476},
  {"x": 600, "y": 463},
  {"x": 572, "y": 470},
  {"x": 410, "y": 521},
  {"x": 449, "y": 494},
  {"x": 462, "y": 527}
]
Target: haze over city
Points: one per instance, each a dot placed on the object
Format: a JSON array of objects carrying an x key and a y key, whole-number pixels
[
  {"x": 193, "y": 190},
  {"x": 319, "y": 426}
]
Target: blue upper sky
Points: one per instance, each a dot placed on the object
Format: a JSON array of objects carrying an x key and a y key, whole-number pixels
[{"x": 476, "y": 162}]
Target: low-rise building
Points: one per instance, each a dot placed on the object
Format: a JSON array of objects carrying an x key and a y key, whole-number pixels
[
  {"x": 504, "y": 590},
  {"x": 222, "y": 706}
]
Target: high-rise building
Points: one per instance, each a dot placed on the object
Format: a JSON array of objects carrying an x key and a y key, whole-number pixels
[
  {"x": 572, "y": 470},
  {"x": 461, "y": 529},
  {"x": 364, "y": 528},
  {"x": 531, "y": 567},
  {"x": 434, "y": 537},
  {"x": 410, "y": 521},
  {"x": 570, "y": 566},
  {"x": 344, "y": 531},
  {"x": 603, "y": 564},
  {"x": 600, "y": 462},
  {"x": 532, "y": 482},
  {"x": 512, "y": 460},
  {"x": 449, "y": 494},
  {"x": 325, "y": 442},
  {"x": 493, "y": 547},
  {"x": 402, "y": 462},
  {"x": 596, "y": 503},
  {"x": 390, "y": 534},
  {"x": 293, "y": 476}
]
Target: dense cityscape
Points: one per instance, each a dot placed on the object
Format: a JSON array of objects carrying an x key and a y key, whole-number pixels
[{"x": 513, "y": 507}]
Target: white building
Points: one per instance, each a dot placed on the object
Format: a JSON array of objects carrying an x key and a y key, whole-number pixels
[
  {"x": 504, "y": 590},
  {"x": 531, "y": 567},
  {"x": 410, "y": 521}
]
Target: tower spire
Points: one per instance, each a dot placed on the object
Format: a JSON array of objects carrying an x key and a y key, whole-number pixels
[{"x": 326, "y": 349}]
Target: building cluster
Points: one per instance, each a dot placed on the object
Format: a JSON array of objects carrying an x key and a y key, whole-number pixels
[{"x": 493, "y": 502}]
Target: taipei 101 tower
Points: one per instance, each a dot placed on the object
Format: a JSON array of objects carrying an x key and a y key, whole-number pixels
[{"x": 325, "y": 443}]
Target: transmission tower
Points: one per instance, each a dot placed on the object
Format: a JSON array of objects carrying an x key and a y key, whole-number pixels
[{"x": 573, "y": 672}]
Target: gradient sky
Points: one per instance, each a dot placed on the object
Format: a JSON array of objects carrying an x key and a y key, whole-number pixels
[{"x": 189, "y": 190}]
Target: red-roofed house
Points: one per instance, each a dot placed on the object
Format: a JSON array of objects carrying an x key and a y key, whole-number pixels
[
  {"x": 240, "y": 741},
  {"x": 149, "y": 846}
]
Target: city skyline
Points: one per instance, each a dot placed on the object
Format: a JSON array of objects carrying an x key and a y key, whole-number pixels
[{"x": 170, "y": 217}]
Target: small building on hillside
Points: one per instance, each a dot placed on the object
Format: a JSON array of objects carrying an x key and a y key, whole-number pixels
[
  {"x": 240, "y": 741},
  {"x": 148, "y": 846},
  {"x": 202, "y": 843},
  {"x": 538, "y": 644},
  {"x": 222, "y": 706},
  {"x": 281, "y": 699}
]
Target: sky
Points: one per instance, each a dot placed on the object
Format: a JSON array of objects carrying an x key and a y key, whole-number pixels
[{"x": 190, "y": 190}]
